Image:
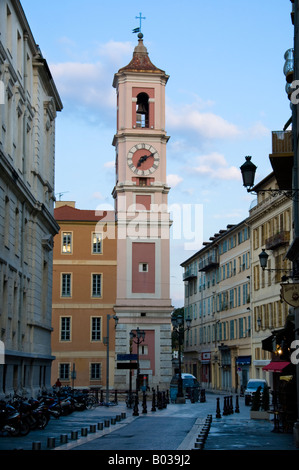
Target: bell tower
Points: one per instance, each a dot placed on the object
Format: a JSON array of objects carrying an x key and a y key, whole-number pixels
[{"x": 143, "y": 224}]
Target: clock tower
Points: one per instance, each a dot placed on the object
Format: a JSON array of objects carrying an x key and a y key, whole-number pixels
[{"x": 141, "y": 204}]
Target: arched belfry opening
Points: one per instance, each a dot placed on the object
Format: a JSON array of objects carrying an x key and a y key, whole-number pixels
[{"x": 142, "y": 110}]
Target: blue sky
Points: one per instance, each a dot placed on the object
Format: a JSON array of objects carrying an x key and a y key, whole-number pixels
[{"x": 225, "y": 94}]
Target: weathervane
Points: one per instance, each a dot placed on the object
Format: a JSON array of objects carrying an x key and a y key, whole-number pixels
[{"x": 138, "y": 30}]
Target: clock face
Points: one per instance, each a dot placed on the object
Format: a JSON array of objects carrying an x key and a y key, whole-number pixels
[{"x": 143, "y": 159}]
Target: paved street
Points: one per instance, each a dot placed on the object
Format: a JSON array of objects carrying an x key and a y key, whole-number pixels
[{"x": 173, "y": 428}]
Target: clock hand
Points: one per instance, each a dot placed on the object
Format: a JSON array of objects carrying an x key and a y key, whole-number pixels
[{"x": 144, "y": 158}]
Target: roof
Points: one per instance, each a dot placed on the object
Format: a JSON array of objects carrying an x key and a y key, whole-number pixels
[
  {"x": 68, "y": 213},
  {"x": 141, "y": 60}
]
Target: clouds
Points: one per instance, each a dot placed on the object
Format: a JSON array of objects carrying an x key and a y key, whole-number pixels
[
  {"x": 215, "y": 166},
  {"x": 206, "y": 124},
  {"x": 87, "y": 84}
]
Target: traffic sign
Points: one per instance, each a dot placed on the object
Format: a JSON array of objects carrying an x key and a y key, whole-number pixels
[{"x": 127, "y": 357}]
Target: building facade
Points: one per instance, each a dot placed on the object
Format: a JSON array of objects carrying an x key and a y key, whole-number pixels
[
  {"x": 271, "y": 227},
  {"x": 140, "y": 193},
  {"x": 28, "y": 107},
  {"x": 84, "y": 293},
  {"x": 217, "y": 347}
]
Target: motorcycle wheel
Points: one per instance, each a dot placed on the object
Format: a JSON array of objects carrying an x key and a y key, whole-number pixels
[
  {"x": 42, "y": 422},
  {"x": 20, "y": 429}
]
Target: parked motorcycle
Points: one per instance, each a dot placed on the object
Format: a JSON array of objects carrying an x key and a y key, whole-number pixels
[
  {"x": 32, "y": 412},
  {"x": 11, "y": 422}
]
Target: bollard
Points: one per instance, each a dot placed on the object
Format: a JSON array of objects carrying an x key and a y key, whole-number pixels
[
  {"x": 36, "y": 445},
  {"x": 231, "y": 407},
  {"x": 202, "y": 396},
  {"x": 92, "y": 428},
  {"x": 107, "y": 423},
  {"x": 74, "y": 435},
  {"x": 63, "y": 438},
  {"x": 100, "y": 426},
  {"x": 153, "y": 400},
  {"x": 199, "y": 444},
  {"x": 123, "y": 415},
  {"x": 144, "y": 406},
  {"x": 84, "y": 432},
  {"x": 218, "y": 413},
  {"x": 113, "y": 420},
  {"x": 51, "y": 442},
  {"x": 135, "y": 409},
  {"x": 237, "y": 409},
  {"x": 225, "y": 408},
  {"x": 118, "y": 417}
]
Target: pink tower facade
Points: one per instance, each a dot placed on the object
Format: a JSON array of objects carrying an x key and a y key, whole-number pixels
[{"x": 143, "y": 223}]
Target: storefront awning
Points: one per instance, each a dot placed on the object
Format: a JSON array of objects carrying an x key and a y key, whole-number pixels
[
  {"x": 243, "y": 360},
  {"x": 276, "y": 366}
]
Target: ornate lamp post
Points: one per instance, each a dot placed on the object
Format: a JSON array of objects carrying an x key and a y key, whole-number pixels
[
  {"x": 178, "y": 327},
  {"x": 106, "y": 342},
  {"x": 137, "y": 338}
]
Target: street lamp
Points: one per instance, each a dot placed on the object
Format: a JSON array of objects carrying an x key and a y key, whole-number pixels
[
  {"x": 248, "y": 170},
  {"x": 178, "y": 326},
  {"x": 137, "y": 338},
  {"x": 106, "y": 342}
]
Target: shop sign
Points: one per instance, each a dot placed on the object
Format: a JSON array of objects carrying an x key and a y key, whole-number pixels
[{"x": 290, "y": 293}]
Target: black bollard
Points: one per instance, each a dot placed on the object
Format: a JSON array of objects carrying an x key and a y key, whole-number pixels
[
  {"x": 218, "y": 413},
  {"x": 135, "y": 409},
  {"x": 231, "y": 407},
  {"x": 102, "y": 397},
  {"x": 164, "y": 402},
  {"x": 144, "y": 407},
  {"x": 153, "y": 400},
  {"x": 237, "y": 409},
  {"x": 159, "y": 400},
  {"x": 225, "y": 407},
  {"x": 202, "y": 396},
  {"x": 115, "y": 397}
]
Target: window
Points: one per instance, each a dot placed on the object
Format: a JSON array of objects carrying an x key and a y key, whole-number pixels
[
  {"x": 96, "y": 285},
  {"x": 64, "y": 371},
  {"x": 96, "y": 243},
  {"x": 66, "y": 285},
  {"x": 96, "y": 323},
  {"x": 142, "y": 110},
  {"x": 65, "y": 329},
  {"x": 66, "y": 242},
  {"x": 95, "y": 371},
  {"x": 143, "y": 267}
]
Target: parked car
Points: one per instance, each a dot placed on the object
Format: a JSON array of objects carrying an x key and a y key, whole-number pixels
[
  {"x": 190, "y": 386},
  {"x": 252, "y": 386}
]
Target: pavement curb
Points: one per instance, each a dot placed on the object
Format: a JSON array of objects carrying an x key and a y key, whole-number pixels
[{"x": 97, "y": 435}]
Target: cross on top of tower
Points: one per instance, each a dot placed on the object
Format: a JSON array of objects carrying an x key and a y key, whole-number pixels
[{"x": 138, "y": 30}]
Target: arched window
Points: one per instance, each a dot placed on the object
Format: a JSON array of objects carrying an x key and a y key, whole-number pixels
[{"x": 142, "y": 110}]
